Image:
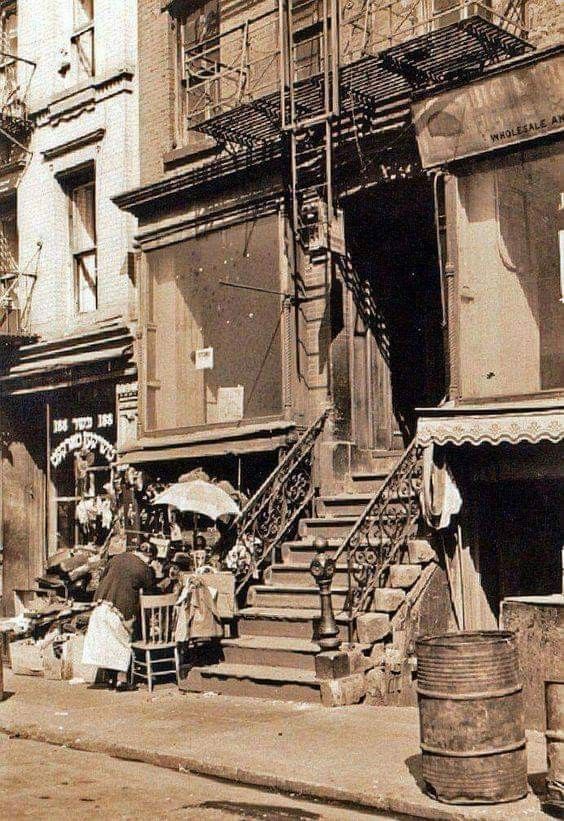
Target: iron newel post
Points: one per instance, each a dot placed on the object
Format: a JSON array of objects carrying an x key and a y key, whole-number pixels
[{"x": 322, "y": 568}]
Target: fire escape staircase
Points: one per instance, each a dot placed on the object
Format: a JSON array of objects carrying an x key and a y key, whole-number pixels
[{"x": 16, "y": 282}]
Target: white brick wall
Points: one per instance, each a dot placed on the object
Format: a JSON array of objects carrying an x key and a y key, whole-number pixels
[{"x": 42, "y": 204}]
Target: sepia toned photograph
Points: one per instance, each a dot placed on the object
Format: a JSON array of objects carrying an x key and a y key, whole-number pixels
[{"x": 281, "y": 410}]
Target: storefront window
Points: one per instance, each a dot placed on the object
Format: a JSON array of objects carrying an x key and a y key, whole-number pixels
[
  {"x": 213, "y": 353},
  {"x": 82, "y": 455},
  {"x": 511, "y": 300}
]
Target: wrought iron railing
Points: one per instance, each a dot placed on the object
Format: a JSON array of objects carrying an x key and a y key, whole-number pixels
[
  {"x": 271, "y": 513},
  {"x": 382, "y": 529}
]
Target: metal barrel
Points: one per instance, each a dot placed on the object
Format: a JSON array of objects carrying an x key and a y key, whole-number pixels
[
  {"x": 471, "y": 717},
  {"x": 554, "y": 695}
]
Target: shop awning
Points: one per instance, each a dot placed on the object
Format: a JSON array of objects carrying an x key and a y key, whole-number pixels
[
  {"x": 234, "y": 439},
  {"x": 51, "y": 364},
  {"x": 493, "y": 424}
]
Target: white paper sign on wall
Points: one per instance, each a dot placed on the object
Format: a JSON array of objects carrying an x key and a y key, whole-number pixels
[{"x": 204, "y": 359}]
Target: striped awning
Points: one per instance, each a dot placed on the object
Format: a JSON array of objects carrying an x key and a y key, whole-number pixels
[{"x": 492, "y": 427}]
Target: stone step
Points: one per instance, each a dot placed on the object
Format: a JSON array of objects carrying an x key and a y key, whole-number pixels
[
  {"x": 367, "y": 483},
  {"x": 280, "y": 621},
  {"x": 298, "y": 575},
  {"x": 293, "y": 597},
  {"x": 329, "y": 527},
  {"x": 303, "y": 551},
  {"x": 277, "y": 651},
  {"x": 344, "y": 504},
  {"x": 254, "y": 681}
]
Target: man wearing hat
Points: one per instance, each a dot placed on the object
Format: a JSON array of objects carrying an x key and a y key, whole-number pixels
[{"x": 112, "y": 624}]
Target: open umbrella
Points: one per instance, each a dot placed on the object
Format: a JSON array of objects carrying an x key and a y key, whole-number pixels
[{"x": 198, "y": 497}]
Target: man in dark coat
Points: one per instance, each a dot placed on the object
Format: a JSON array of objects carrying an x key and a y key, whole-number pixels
[{"x": 113, "y": 623}]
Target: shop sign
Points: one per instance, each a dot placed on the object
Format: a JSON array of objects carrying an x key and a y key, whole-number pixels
[
  {"x": 501, "y": 111},
  {"x": 82, "y": 433}
]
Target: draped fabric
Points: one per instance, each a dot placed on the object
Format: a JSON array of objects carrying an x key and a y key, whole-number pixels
[
  {"x": 440, "y": 497},
  {"x": 108, "y": 640}
]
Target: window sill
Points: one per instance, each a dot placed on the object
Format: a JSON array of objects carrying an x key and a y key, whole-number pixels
[{"x": 188, "y": 154}]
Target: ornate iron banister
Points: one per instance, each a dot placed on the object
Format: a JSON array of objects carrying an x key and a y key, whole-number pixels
[
  {"x": 382, "y": 528},
  {"x": 275, "y": 507}
]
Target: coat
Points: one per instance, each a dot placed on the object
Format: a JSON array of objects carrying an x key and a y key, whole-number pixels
[{"x": 126, "y": 574}]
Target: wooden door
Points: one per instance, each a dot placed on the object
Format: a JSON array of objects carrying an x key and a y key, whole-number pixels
[
  {"x": 374, "y": 423},
  {"x": 23, "y": 505}
]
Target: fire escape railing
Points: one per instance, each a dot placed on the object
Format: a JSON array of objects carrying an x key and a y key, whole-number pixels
[
  {"x": 381, "y": 531},
  {"x": 277, "y": 505}
]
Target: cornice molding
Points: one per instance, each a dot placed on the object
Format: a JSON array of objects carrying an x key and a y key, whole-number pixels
[{"x": 73, "y": 145}]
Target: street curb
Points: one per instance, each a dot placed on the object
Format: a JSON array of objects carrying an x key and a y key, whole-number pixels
[{"x": 186, "y": 764}]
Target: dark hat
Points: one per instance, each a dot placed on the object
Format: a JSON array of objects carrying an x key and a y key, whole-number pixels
[{"x": 182, "y": 560}]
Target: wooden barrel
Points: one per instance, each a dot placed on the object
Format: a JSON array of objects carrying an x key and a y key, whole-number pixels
[
  {"x": 471, "y": 718},
  {"x": 554, "y": 693}
]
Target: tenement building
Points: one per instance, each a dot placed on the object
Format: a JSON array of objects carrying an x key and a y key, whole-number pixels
[
  {"x": 68, "y": 144},
  {"x": 350, "y": 233}
]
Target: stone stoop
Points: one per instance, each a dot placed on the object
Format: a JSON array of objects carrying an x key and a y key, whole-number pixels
[{"x": 274, "y": 654}]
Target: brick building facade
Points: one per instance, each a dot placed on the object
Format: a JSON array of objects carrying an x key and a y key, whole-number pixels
[
  {"x": 69, "y": 144},
  {"x": 321, "y": 205}
]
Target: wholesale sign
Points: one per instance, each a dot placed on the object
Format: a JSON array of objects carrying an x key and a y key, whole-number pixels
[{"x": 497, "y": 112}]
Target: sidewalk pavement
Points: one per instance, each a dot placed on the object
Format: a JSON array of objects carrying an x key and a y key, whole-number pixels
[{"x": 367, "y": 756}]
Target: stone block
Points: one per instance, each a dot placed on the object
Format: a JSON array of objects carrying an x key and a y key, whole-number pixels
[
  {"x": 420, "y": 551},
  {"x": 387, "y": 599},
  {"x": 404, "y": 575},
  {"x": 375, "y": 687},
  {"x": 346, "y": 661},
  {"x": 372, "y": 627},
  {"x": 330, "y": 664},
  {"x": 341, "y": 692},
  {"x": 378, "y": 653}
]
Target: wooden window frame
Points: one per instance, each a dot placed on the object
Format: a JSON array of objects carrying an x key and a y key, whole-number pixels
[
  {"x": 81, "y": 32},
  {"x": 74, "y": 183}
]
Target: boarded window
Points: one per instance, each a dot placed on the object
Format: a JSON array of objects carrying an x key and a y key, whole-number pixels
[
  {"x": 213, "y": 353},
  {"x": 511, "y": 306}
]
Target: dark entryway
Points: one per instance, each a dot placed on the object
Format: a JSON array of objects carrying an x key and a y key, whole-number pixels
[{"x": 394, "y": 311}]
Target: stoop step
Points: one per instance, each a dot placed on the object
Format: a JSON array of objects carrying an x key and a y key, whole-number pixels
[
  {"x": 254, "y": 681},
  {"x": 272, "y": 651},
  {"x": 298, "y": 575},
  {"x": 262, "y": 595},
  {"x": 344, "y": 504},
  {"x": 330, "y": 527},
  {"x": 289, "y": 622}
]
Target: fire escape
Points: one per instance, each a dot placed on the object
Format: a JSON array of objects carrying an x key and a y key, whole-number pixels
[
  {"x": 305, "y": 78},
  {"x": 16, "y": 282}
]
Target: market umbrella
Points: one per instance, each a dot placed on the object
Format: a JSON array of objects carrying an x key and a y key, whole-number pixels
[{"x": 198, "y": 497}]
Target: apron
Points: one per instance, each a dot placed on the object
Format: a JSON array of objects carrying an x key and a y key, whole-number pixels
[{"x": 108, "y": 641}]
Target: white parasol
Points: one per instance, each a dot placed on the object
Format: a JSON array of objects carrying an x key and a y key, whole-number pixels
[{"x": 198, "y": 497}]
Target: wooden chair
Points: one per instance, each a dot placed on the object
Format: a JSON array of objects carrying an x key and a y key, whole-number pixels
[{"x": 157, "y": 647}]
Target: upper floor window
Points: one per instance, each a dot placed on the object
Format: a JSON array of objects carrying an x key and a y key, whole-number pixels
[
  {"x": 83, "y": 240},
  {"x": 82, "y": 39},
  {"x": 200, "y": 54}
]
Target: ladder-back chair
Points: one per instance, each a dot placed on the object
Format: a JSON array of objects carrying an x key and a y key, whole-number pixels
[{"x": 156, "y": 654}]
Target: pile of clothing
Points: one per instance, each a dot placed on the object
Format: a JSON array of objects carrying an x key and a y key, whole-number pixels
[{"x": 73, "y": 573}]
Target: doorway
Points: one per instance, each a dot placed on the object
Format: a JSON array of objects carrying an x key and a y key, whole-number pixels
[{"x": 394, "y": 311}]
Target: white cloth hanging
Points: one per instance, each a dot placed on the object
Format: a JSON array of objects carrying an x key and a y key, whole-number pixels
[{"x": 440, "y": 496}]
